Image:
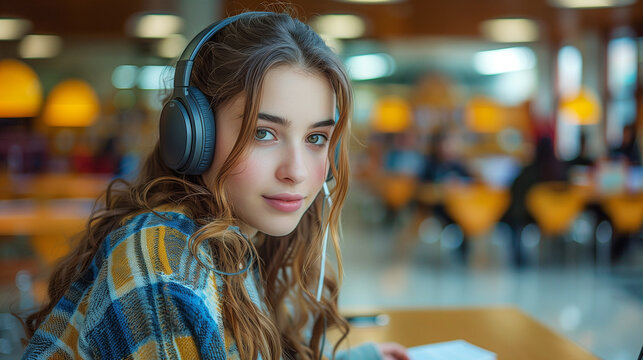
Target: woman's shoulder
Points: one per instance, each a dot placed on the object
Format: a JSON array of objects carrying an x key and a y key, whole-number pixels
[
  {"x": 161, "y": 217},
  {"x": 150, "y": 253},
  {"x": 152, "y": 242}
]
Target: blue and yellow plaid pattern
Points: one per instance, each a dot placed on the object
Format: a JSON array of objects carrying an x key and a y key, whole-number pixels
[{"x": 145, "y": 296}]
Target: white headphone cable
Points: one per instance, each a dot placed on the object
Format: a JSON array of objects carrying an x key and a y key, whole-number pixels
[{"x": 320, "y": 285}]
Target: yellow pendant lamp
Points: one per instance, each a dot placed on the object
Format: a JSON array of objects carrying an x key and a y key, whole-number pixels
[
  {"x": 583, "y": 108},
  {"x": 72, "y": 103},
  {"x": 484, "y": 115},
  {"x": 392, "y": 114},
  {"x": 20, "y": 90}
]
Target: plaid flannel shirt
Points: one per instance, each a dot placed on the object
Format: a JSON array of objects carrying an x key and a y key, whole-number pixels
[{"x": 144, "y": 296}]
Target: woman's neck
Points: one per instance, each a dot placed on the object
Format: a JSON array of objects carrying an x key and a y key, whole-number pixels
[{"x": 248, "y": 231}]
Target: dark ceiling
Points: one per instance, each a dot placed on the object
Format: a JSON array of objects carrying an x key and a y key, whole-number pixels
[{"x": 410, "y": 18}]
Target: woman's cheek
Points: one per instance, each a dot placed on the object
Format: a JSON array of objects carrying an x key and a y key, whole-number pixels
[
  {"x": 249, "y": 171},
  {"x": 321, "y": 171}
]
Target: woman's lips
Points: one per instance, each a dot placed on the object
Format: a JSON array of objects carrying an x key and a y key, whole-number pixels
[{"x": 285, "y": 203}]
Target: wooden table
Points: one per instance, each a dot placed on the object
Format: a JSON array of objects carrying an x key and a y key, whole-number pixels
[
  {"x": 52, "y": 186},
  {"x": 506, "y": 331},
  {"x": 63, "y": 217},
  {"x": 49, "y": 225}
]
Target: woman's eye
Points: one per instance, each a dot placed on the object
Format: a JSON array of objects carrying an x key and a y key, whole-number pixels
[
  {"x": 263, "y": 134},
  {"x": 317, "y": 139}
]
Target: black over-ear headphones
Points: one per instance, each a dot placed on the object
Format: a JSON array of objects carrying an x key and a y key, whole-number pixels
[
  {"x": 187, "y": 130},
  {"x": 187, "y": 126}
]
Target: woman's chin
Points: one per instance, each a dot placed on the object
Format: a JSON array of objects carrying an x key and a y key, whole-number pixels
[{"x": 278, "y": 230}]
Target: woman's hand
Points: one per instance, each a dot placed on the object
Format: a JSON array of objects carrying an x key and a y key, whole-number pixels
[{"x": 392, "y": 351}]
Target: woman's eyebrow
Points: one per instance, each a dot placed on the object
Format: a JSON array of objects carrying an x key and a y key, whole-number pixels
[
  {"x": 323, "y": 123},
  {"x": 285, "y": 122},
  {"x": 275, "y": 119}
]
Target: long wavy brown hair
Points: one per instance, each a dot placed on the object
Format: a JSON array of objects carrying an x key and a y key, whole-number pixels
[{"x": 233, "y": 62}]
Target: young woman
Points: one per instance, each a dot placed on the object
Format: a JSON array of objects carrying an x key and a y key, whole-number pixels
[{"x": 215, "y": 251}]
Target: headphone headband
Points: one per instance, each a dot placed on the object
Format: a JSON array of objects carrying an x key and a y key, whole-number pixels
[{"x": 185, "y": 62}]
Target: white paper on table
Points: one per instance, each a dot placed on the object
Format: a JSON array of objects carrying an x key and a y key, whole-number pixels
[{"x": 450, "y": 350}]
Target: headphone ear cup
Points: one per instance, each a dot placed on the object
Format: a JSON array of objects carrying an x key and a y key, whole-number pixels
[
  {"x": 175, "y": 135},
  {"x": 205, "y": 133}
]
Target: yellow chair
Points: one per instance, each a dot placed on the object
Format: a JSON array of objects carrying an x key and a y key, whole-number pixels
[
  {"x": 475, "y": 207},
  {"x": 625, "y": 212},
  {"x": 554, "y": 205},
  {"x": 396, "y": 189}
]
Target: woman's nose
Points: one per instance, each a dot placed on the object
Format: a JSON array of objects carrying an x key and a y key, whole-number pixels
[{"x": 292, "y": 166}]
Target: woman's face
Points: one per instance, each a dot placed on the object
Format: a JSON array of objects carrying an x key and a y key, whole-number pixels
[{"x": 287, "y": 162}]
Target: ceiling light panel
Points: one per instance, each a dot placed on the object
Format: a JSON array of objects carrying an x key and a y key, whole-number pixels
[
  {"x": 157, "y": 25},
  {"x": 579, "y": 4},
  {"x": 13, "y": 28},
  {"x": 510, "y": 30},
  {"x": 340, "y": 26},
  {"x": 40, "y": 46}
]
